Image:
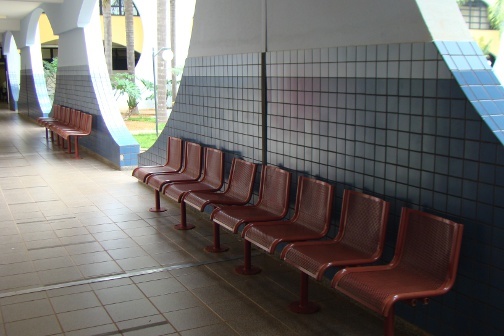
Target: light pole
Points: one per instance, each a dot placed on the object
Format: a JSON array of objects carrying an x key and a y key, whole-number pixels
[{"x": 167, "y": 55}]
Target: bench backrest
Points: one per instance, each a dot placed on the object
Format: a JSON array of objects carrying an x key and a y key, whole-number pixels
[
  {"x": 241, "y": 180},
  {"x": 428, "y": 245},
  {"x": 192, "y": 160},
  {"x": 174, "y": 153},
  {"x": 56, "y": 112},
  {"x": 313, "y": 204},
  {"x": 213, "y": 173},
  {"x": 86, "y": 123},
  {"x": 75, "y": 118},
  {"x": 274, "y": 190},
  {"x": 363, "y": 223},
  {"x": 66, "y": 115}
]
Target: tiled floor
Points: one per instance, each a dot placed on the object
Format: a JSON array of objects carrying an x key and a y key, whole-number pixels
[{"x": 81, "y": 255}]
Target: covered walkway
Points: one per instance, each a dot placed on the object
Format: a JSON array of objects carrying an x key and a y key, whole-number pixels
[{"x": 81, "y": 255}]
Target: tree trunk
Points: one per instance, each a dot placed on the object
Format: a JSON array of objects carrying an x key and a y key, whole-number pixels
[
  {"x": 130, "y": 42},
  {"x": 107, "y": 34},
  {"x": 130, "y": 36},
  {"x": 161, "y": 69},
  {"x": 173, "y": 38}
]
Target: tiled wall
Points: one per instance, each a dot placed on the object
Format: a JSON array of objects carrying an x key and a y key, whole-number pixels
[
  {"x": 79, "y": 89},
  {"x": 218, "y": 105},
  {"x": 32, "y": 102},
  {"x": 392, "y": 120}
]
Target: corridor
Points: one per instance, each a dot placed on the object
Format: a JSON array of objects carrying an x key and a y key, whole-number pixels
[{"x": 82, "y": 255}]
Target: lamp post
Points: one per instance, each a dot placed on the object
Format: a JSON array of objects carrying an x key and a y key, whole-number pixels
[{"x": 167, "y": 55}]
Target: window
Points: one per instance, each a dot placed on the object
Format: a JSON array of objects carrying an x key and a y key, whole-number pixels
[
  {"x": 475, "y": 13},
  {"x": 117, "y": 8}
]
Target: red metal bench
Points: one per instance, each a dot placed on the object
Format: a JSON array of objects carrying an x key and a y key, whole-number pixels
[
  {"x": 211, "y": 180},
  {"x": 173, "y": 161},
  {"x": 238, "y": 191},
  {"x": 273, "y": 204},
  {"x": 56, "y": 116},
  {"x": 190, "y": 172},
  {"x": 425, "y": 265},
  {"x": 360, "y": 241},
  {"x": 311, "y": 220},
  {"x": 80, "y": 124}
]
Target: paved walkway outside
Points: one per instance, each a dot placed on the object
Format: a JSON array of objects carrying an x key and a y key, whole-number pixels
[{"x": 81, "y": 255}]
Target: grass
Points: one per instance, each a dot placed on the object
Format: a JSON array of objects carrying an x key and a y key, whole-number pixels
[
  {"x": 142, "y": 118},
  {"x": 145, "y": 140}
]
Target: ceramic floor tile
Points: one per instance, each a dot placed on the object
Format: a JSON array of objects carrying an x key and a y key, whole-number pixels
[
  {"x": 212, "y": 330},
  {"x": 175, "y": 301},
  {"x": 161, "y": 286},
  {"x": 191, "y": 318},
  {"x": 53, "y": 263},
  {"x": 60, "y": 275},
  {"x": 145, "y": 326},
  {"x": 84, "y": 318},
  {"x": 91, "y": 258},
  {"x": 75, "y": 301},
  {"x": 138, "y": 263},
  {"x": 128, "y": 252},
  {"x": 119, "y": 294},
  {"x": 26, "y": 310},
  {"x": 41, "y": 326},
  {"x": 100, "y": 269},
  {"x": 131, "y": 310}
]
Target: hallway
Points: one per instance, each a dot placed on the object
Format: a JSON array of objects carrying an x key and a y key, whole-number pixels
[{"x": 81, "y": 255}]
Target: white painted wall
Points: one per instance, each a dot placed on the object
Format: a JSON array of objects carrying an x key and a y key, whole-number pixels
[{"x": 234, "y": 26}]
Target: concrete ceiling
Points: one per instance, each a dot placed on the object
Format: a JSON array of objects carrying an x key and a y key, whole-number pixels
[{"x": 13, "y": 11}]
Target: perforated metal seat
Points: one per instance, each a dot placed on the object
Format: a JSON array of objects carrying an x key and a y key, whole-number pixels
[
  {"x": 311, "y": 220},
  {"x": 173, "y": 161},
  {"x": 238, "y": 191},
  {"x": 425, "y": 265},
  {"x": 212, "y": 179},
  {"x": 190, "y": 172},
  {"x": 360, "y": 240},
  {"x": 273, "y": 204}
]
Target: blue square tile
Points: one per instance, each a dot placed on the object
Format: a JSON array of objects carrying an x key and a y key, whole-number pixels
[{"x": 461, "y": 63}]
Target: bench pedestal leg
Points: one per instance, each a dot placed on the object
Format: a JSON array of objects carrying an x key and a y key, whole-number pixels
[
  {"x": 247, "y": 268},
  {"x": 389, "y": 323},
  {"x": 303, "y": 306},
  {"x": 158, "y": 203},
  {"x": 216, "y": 248},
  {"x": 183, "y": 219}
]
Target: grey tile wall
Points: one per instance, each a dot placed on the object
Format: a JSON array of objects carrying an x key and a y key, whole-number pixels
[
  {"x": 33, "y": 99},
  {"x": 78, "y": 88},
  {"x": 419, "y": 125}
]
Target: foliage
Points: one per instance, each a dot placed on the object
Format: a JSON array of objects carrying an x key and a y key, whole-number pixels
[
  {"x": 50, "y": 69},
  {"x": 149, "y": 86},
  {"x": 496, "y": 14},
  {"x": 124, "y": 85}
]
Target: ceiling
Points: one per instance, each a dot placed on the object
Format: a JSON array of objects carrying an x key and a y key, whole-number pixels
[{"x": 12, "y": 11}]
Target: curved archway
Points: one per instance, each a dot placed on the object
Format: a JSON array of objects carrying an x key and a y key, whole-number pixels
[{"x": 13, "y": 67}]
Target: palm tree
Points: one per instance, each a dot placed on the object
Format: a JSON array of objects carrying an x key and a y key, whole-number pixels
[
  {"x": 107, "y": 33},
  {"x": 130, "y": 36},
  {"x": 173, "y": 47},
  {"x": 161, "y": 43},
  {"x": 130, "y": 42}
]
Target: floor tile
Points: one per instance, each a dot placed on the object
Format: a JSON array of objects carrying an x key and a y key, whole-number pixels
[
  {"x": 119, "y": 294},
  {"x": 41, "y": 326},
  {"x": 175, "y": 301},
  {"x": 129, "y": 310},
  {"x": 161, "y": 286},
  {"x": 26, "y": 310},
  {"x": 85, "y": 318},
  {"x": 191, "y": 318},
  {"x": 78, "y": 301}
]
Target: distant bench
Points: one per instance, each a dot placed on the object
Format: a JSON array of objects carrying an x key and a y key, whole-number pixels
[{"x": 66, "y": 122}]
